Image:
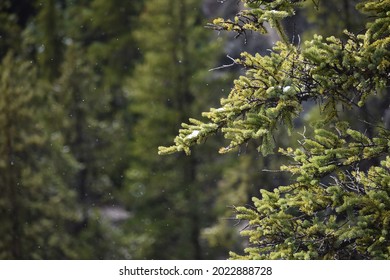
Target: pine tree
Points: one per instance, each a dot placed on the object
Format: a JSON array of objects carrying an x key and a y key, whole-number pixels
[
  {"x": 104, "y": 32},
  {"x": 99, "y": 56},
  {"x": 338, "y": 205},
  {"x": 165, "y": 197},
  {"x": 8, "y": 28},
  {"x": 36, "y": 206},
  {"x": 49, "y": 36},
  {"x": 79, "y": 55},
  {"x": 81, "y": 108},
  {"x": 14, "y": 18}
]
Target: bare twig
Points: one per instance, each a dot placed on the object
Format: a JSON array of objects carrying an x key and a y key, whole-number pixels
[{"x": 225, "y": 65}]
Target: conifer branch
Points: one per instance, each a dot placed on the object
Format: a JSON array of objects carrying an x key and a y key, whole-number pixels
[{"x": 334, "y": 208}]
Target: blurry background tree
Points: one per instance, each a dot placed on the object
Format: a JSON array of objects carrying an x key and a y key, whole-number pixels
[
  {"x": 170, "y": 198},
  {"x": 36, "y": 206},
  {"x": 67, "y": 62},
  {"x": 82, "y": 109},
  {"x": 331, "y": 18}
]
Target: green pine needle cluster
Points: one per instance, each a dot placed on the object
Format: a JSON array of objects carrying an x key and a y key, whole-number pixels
[{"x": 270, "y": 94}]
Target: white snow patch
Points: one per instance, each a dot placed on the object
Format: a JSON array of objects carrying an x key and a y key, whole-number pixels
[
  {"x": 286, "y": 88},
  {"x": 220, "y": 110},
  {"x": 193, "y": 134}
]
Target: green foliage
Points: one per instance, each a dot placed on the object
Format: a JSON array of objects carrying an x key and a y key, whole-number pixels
[
  {"x": 63, "y": 136},
  {"x": 36, "y": 206},
  {"x": 9, "y": 28},
  {"x": 51, "y": 47},
  {"x": 344, "y": 218},
  {"x": 79, "y": 127},
  {"x": 271, "y": 92},
  {"x": 105, "y": 30},
  {"x": 81, "y": 109},
  {"x": 258, "y": 13},
  {"x": 81, "y": 106},
  {"x": 333, "y": 210},
  {"x": 332, "y": 17},
  {"x": 162, "y": 193}
]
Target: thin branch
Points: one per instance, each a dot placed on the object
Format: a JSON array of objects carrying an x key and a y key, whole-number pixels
[
  {"x": 226, "y": 65},
  {"x": 273, "y": 170}
]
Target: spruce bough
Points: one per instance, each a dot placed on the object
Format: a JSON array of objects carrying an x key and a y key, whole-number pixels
[{"x": 334, "y": 208}]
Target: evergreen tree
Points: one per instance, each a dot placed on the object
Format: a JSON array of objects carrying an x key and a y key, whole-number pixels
[
  {"x": 8, "y": 28},
  {"x": 100, "y": 53},
  {"x": 332, "y": 17},
  {"x": 82, "y": 53},
  {"x": 36, "y": 207},
  {"x": 165, "y": 195},
  {"x": 82, "y": 105},
  {"x": 49, "y": 38},
  {"x": 14, "y": 17},
  {"x": 338, "y": 205},
  {"x": 104, "y": 32}
]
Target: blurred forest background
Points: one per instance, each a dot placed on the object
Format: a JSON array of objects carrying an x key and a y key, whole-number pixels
[{"x": 89, "y": 89}]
